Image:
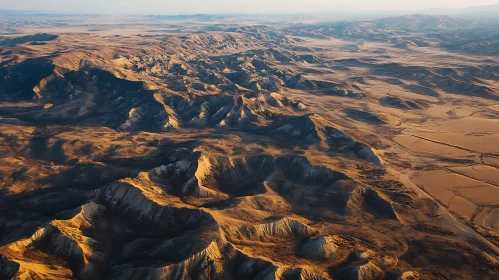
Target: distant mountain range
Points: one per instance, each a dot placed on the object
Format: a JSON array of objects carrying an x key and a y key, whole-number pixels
[
  {"x": 473, "y": 12},
  {"x": 488, "y": 8}
]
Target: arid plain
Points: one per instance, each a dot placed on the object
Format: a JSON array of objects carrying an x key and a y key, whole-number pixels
[{"x": 220, "y": 147}]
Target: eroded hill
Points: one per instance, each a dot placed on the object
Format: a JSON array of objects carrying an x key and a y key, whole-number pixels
[{"x": 243, "y": 151}]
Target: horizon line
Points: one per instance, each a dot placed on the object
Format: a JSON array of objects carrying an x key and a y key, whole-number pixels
[{"x": 350, "y": 12}]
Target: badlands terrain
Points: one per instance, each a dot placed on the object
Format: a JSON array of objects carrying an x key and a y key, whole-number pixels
[{"x": 231, "y": 147}]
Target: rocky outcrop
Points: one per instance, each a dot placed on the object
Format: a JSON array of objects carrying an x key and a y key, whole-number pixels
[
  {"x": 366, "y": 265},
  {"x": 321, "y": 248},
  {"x": 284, "y": 228}
]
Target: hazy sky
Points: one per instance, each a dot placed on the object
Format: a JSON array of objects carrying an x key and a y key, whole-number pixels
[{"x": 231, "y": 6}]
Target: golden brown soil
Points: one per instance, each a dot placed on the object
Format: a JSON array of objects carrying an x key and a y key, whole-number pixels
[{"x": 143, "y": 148}]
